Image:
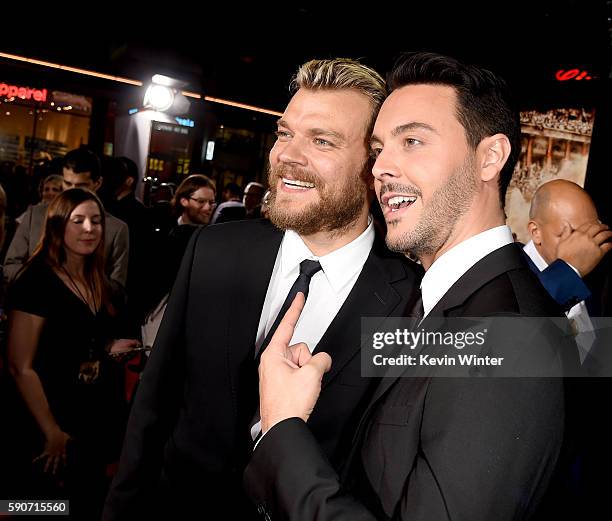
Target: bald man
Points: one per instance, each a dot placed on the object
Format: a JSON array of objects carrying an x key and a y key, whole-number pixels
[{"x": 567, "y": 242}]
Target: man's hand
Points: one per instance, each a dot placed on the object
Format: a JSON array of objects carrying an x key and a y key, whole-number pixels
[
  {"x": 289, "y": 376},
  {"x": 584, "y": 247}
]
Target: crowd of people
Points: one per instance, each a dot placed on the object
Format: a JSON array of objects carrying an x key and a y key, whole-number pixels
[{"x": 85, "y": 268}]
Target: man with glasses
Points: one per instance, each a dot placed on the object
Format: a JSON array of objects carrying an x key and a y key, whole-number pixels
[{"x": 194, "y": 200}]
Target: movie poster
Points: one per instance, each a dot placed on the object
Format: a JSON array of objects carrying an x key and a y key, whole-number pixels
[{"x": 555, "y": 145}]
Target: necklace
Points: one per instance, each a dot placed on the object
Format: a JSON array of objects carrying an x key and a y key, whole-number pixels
[{"x": 81, "y": 296}]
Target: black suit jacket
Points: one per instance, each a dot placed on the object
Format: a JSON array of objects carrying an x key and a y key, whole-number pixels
[
  {"x": 187, "y": 438},
  {"x": 431, "y": 448}
]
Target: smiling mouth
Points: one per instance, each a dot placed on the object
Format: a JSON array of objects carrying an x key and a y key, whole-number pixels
[
  {"x": 400, "y": 201},
  {"x": 294, "y": 184}
]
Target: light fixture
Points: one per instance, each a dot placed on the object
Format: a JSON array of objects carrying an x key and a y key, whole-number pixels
[{"x": 158, "y": 97}]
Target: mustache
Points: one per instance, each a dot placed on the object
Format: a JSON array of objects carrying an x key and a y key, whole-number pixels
[
  {"x": 299, "y": 174},
  {"x": 398, "y": 188}
]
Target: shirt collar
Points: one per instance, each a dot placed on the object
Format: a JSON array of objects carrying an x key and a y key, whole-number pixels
[
  {"x": 339, "y": 266},
  {"x": 531, "y": 250},
  {"x": 452, "y": 265}
]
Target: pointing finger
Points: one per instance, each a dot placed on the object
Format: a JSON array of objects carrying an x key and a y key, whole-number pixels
[{"x": 282, "y": 336}]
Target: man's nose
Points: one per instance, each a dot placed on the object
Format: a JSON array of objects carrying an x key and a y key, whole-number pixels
[
  {"x": 292, "y": 152},
  {"x": 385, "y": 167}
]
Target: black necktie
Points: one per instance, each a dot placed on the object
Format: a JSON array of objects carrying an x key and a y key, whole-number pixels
[{"x": 307, "y": 269}]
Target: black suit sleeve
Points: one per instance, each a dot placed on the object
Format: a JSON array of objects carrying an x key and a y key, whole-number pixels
[
  {"x": 290, "y": 478},
  {"x": 472, "y": 448},
  {"x": 155, "y": 408}
]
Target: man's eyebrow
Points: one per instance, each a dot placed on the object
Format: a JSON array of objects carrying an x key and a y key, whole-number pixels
[
  {"x": 414, "y": 125},
  {"x": 407, "y": 127},
  {"x": 325, "y": 132},
  {"x": 317, "y": 131}
]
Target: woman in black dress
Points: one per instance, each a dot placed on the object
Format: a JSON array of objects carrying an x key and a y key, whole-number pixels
[{"x": 63, "y": 317}]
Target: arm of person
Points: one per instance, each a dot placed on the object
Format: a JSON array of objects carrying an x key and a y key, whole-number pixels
[
  {"x": 156, "y": 407},
  {"x": 23, "y": 337},
  {"x": 18, "y": 250},
  {"x": 564, "y": 284},
  {"x": 486, "y": 445},
  {"x": 119, "y": 255}
]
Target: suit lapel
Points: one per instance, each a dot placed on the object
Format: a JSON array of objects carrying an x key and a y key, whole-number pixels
[
  {"x": 500, "y": 261},
  {"x": 254, "y": 270},
  {"x": 373, "y": 295}
]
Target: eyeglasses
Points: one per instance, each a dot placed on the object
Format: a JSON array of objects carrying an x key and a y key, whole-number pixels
[{"x": 201, "y": 202}]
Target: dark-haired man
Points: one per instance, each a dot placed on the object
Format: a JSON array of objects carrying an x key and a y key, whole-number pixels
[
  {"x": 445, "y": 141},
  {"x": 81, "y": 169}
]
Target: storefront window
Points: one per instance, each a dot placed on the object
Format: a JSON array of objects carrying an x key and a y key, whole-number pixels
[{"x": 37, "y": 124}]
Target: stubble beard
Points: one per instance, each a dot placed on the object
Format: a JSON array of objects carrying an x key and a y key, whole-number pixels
[{"x": 439, "y": 216}]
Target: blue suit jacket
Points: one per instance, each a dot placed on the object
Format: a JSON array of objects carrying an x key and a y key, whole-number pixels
[{"x": 562, "y": 283}]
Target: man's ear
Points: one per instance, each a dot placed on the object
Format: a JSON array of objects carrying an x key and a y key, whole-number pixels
[
  {"x": 492, "y": 154},
  {"x": 184, "y": 202},
  {"x": 534, "y": 231},
  {"x": 98, "y": 184},
  {"x": 129, "y": 181}
]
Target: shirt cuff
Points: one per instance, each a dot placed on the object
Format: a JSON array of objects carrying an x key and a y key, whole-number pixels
[{"x": 577, "y": 272}]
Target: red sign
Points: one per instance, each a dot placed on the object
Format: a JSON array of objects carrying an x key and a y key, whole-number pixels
[
  {"x": 15, "y": 91},
  {"x": 572, "y": 74}
]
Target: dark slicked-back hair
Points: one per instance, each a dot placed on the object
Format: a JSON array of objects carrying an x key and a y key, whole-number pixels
[{"x": 485, "y": 106}]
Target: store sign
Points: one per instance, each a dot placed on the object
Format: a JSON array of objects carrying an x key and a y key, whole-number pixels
[
  {"x": 185, "y": 122},
  {"x": 16, "y": 91},
  {"x": 572, "y": 74}
]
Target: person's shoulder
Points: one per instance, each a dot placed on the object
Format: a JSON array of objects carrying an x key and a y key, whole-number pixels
[
  {"x": 230, "y": 204},
  {"x": 514, "y": 292},
  {"x": 503, "y": 283},
  {"x": 33, "y": 283},
  {"x": 113, "y": 223},
  {"x": 248, "y": 230},
  {"x": 38, "y": 268},
  {"x": 235, "y": 237},
  {"x": 531, "y": 297},
  {"x": 35, "y": 213}
]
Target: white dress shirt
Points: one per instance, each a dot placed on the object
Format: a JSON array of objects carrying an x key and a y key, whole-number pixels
[
  {"x": 327, "y": 291},
  {"x": 453, "y": 264},
  {"x": 578, "y": 315},
  {"x": 328, "y": 288}
]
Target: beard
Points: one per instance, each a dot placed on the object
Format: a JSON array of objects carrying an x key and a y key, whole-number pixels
[
  {"x": 335, "y": 211},
  {"x": 439, "y": 216},
  {"x": 197, "y": 217}
]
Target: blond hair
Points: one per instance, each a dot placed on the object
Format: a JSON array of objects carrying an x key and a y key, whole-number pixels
[{"x": 342, "y": 73}]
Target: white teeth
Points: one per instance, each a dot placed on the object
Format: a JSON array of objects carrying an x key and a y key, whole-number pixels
[
  {"x": 295, "y": 182},
  {"x": 399, "y": 199}
]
